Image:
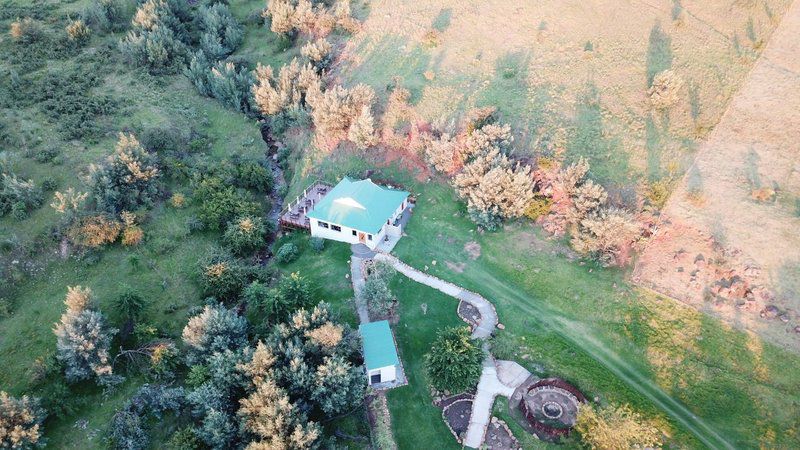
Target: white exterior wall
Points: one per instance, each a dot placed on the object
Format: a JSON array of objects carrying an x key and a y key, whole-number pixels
[
  {"x": 388, "y": 373},
  {"x": 346, "y": 235}
]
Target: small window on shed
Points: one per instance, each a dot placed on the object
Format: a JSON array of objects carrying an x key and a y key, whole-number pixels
[
  {"x": 369, "y": 236},
  {"x": 354, "y": 232},
  {"x": 322, "y": 224},
  {"x": 336, "y": 228}
]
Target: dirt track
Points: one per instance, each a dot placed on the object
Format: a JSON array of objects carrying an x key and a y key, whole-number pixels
[{"x": 720, "y": 247}]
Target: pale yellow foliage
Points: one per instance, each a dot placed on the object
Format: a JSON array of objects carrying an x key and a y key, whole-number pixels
[
  {"x": 78, "y": 298},
  {"x": 328, "y": 335},
  {"x": 489, "y": 183},
  {"x": 616, "y": 428},
  {"x": 147, "y": 15},
  {"x": 77, "y": 30},
  {"x": 441, "y": 153},
  {"x": 260, "y": 365},
  {"x": 216, "y": 270},
  {"x": 269, "y": 414},
  {"x": 334, "y": 109},
  {"x": 23, "y": 29},
  {"x": 605, "y": 233},
  {"x": 178, "y": 200},
  {"x": 273, "y": 95},
  {"x": 126, "y": 145},
  {"x": 19, "y": 427},
  {"x": 95, "y": 231},
  {"x": 281, "y": 13},
  {"x": 569, "y": 178},
  {"x": 362, "y": 129},
  {"x": 317, "y": 50},
  {"x": 665, "y": 90},
  {"x": 132, "y": 236},
  {"x": 68, "y": 200}
]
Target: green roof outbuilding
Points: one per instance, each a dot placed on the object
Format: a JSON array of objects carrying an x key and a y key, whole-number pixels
[
  {"x": 379, "y": 348},
  {"x": 360, "y": 205}
]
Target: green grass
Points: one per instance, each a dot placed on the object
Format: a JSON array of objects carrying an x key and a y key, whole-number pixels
[
  {"x": 416, "y": 422},
  {"x": 585, "y": 324}
]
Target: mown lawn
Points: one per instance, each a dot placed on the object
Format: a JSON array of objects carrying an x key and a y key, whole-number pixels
[
  {"x": 587, "y": 325},
  {"x": 416, "y": 422}
]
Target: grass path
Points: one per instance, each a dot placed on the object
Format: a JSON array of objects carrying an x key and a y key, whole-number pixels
[{"x": 582, "y": 338}]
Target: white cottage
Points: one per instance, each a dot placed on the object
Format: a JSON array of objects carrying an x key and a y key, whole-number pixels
[{"x": 358, "y": 212}]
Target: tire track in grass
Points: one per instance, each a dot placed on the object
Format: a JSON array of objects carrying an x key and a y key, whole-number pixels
[{"x": 581, "y": 337}]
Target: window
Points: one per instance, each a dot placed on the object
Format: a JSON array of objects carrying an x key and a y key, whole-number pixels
[
  {"x": 336, "y": 228},
  {"x": 369, "y": 236},
  {"x": 354, "y": 232},
  {"x": 322, "y": 224}
]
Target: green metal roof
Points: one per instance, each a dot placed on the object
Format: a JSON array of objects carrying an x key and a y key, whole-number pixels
[
  {"x": 362, "y": 205},
  {"x": 379, "y": 349}
]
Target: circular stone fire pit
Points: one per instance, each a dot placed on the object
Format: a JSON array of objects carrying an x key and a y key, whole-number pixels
[{"x": 549, "y": 406}]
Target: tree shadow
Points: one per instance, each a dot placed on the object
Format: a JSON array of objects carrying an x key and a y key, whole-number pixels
[{"x": 442, "y": 20}]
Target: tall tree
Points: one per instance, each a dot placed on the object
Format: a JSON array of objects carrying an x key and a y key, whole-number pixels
[{"x": 83, "y": 339}]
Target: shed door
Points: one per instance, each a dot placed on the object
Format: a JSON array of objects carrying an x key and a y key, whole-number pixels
[
  {"x": 374, "y": 379},
  {"x": 362, "y": 237}
]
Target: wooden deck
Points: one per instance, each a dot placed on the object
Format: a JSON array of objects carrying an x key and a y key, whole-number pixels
[{"x": 293, "y": 215}]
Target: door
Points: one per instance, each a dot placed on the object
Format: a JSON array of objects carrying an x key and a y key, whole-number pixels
[
  {"x": 375, "y": 379},
  {"x": 362, "y": 237}
]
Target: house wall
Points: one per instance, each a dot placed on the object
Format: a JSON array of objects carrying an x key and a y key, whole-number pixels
[
  {"x": 346, "y": 234},
  {"x": 388, "y": 373}
]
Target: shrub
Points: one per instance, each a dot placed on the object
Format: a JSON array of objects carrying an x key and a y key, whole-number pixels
[
  {"x": 177, "y": 200},
  {"x": 317, "y": 244},
  {"x": 230, "y": 84},
  {"x": 253, "y": 175},
  {"x": 539, "y": 206},
  {"x": 157, "y": 37},
  {"x": 184, "y": 439},
  {"x": 245, "y": 235},
  {"x": 21, "y": 421},
  {"x": 318, "y": 52},
  {"x": 216, "y": 329},
  {"x": 77, "y": 32},
  {"x": 219, "y": 201},
  {"x": 26, "y": 31},
  {"x": 287, "y": 253},
  {"x": 18, "y": 196},
  {"x": 616, "y": 427},
  {"x": 67, "y": 95},
  {"x": 606, "y": 235},
  {"x": 94, "y": 231},
  {"x": 106, "y": 15},
  {"x": 223, "y": 279},
  {"x": 220, "y": 34},
  {"x": 83, "y": 340},
  {"x": 454, "y": 361},
  {"x": 376, "y": 290},
  {"x": 49, "y": 184},
  {"x": 128, "y": 178}
]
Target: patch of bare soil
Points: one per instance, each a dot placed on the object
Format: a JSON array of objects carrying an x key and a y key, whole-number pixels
[
  {"x": 455, "y": 267},
  {"x": 728, "y": 241},
  {"x": 499, "y": 437},
  {"x": 473, "y": 249},
  {"x": 457, "y": 416},
  {"x": 469, "y": 314}
]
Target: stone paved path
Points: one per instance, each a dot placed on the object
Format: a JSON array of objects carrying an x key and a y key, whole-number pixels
[
  {"x": 489, "y": 385},
  {"x": 488, "y": 320}
]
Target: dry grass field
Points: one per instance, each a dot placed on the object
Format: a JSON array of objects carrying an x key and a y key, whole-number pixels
[
  {"x": 571, "y": 77},
  {"x": 729, "y": 241}
]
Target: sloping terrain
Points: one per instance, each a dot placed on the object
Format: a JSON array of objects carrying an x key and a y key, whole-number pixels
[
  {"x": 571, "y": 77},
  {"x": 729, "y": 242}
]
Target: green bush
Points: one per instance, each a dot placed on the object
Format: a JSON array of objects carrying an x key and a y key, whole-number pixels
[
  {"x": 158, "y": 38},
  {"x": 219, "y": 201},
  {"x": 454, "y": 361},
  {"x": 254, "y": 175},
  {"x": 287, "y": 253},
  {"x": 127, "y": 180},
  {"x": 317, "y": 244},
  {"x": 246, "y": 235},
  {"x": 17, "y": 196},
  {"x": 223, "y": 278},
  {"x": 220, "y": 35}
]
